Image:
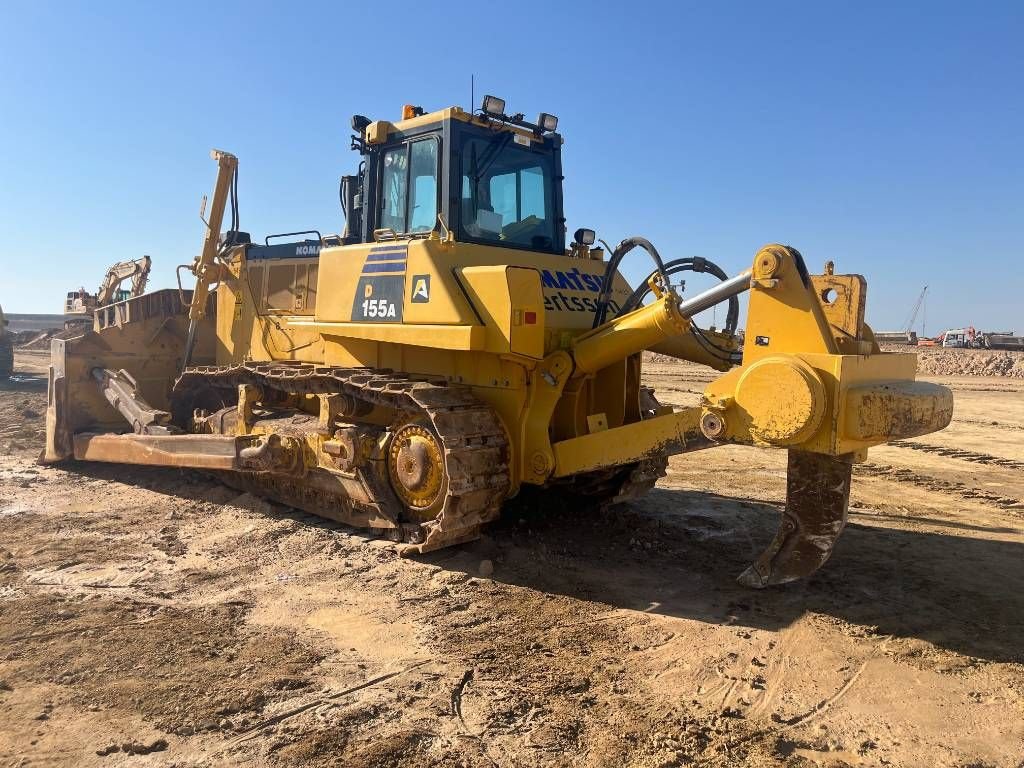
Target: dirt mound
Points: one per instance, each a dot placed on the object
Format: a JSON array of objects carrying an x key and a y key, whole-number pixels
[
  {"x": 938, "y": 361},
  {"x": 40, "y": 340}
]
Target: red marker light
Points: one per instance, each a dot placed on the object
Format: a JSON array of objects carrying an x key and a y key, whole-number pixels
[{"x": 530, "y": 318}]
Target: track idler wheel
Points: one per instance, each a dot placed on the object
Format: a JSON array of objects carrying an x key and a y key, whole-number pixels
[{"x": 817, "y": 498}]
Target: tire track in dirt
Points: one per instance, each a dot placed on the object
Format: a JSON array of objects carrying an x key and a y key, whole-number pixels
[
  {"x": 948, "y": 487},
  {"x": 987, "y": 423},
  {"x": 775, "y": 668},
  {"x": 959, "y": 453}
]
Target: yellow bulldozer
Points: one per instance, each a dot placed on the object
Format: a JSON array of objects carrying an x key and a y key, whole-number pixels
[{"x": 449, "y": 349}]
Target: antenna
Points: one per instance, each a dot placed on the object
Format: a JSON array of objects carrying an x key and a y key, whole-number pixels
[{"x": 472, "y": 93}]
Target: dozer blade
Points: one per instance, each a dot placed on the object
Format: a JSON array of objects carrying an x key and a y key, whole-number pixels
[
  {"x": 817, "y": 498},
  {"x": 120, "y": 371}
]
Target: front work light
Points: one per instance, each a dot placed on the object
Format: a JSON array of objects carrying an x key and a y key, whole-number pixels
[
  {"x": 584, "y": 236},
  {"x": 359, "y": 123},
  {"x": 493, "y": 106},
  {"x": 547, "y": 122}
]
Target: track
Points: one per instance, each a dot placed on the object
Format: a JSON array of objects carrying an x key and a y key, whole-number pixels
[
  {"x": 475, "y": 450},
  {"x": 474, "y": 442},
  {"x": 620, "y": 484}
]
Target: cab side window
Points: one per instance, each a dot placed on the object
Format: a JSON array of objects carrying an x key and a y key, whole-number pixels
[
  {"x": 393, "y": 197},
  {"x": 408, "y": 203}
]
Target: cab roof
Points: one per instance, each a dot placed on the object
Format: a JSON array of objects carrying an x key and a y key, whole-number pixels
[{"x": 450, "y": 113}]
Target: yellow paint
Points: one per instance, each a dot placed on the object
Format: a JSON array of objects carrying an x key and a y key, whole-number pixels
[
  {"x": 464, "y": 337},
  {"x": 782, "y": 400},
  {"x": 515, "y": 327},
  {"x": 624, "y": 336},
  {"x": 796, "y": 389},
  {"x": 614, "y": 447}
]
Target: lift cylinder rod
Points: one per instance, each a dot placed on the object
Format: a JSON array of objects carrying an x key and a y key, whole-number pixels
[{"x": 716, "y": 294}]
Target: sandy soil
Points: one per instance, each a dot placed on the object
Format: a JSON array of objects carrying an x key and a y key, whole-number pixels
[{"x": 156, "y": 618}]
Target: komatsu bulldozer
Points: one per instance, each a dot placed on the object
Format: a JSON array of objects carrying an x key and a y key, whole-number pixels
[{"x": 449, "y": 349}]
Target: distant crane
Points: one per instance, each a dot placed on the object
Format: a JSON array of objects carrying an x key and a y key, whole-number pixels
[{"x": 918, "y": 306}]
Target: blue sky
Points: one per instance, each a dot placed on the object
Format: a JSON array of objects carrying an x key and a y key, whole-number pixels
[{"x": 887, "y": 137}]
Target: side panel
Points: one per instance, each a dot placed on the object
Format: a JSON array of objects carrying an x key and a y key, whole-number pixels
[
  {"x": 510, "y": 303},
  {"x": 435, "y": 293},
  {"x": 255, "y": 299}
]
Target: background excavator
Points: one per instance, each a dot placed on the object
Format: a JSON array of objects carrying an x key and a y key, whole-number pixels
[
  {"x": 448, "y": 351},
  {"x": 80, "y": 305}
]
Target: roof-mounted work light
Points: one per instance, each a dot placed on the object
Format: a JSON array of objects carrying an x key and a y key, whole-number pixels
[
  {"x": 584, "y": 236},
  {"x": 493, "y": 106},
  {"x": 546, "y": 122}
]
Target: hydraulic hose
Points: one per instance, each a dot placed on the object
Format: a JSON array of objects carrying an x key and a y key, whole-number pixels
[
  {"x": 612, "y": 267},
  {"x": 687, "y": 264}
]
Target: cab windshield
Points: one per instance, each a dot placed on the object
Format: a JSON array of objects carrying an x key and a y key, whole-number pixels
[{"x": 507, "y": 193}]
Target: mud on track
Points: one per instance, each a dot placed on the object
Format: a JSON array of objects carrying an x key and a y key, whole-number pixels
[{"x": 161, "y": 619}]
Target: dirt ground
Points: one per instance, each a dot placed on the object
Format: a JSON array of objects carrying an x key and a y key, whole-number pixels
[{"x": 156, "y": 618}]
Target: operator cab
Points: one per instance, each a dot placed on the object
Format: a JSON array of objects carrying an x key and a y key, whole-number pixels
[{"x": 489, "y": 178}]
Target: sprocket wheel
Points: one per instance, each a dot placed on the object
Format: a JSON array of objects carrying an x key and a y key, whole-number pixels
[{"x": 416, "y": 467}]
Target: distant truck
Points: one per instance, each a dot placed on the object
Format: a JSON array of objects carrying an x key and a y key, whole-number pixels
[
  {"x": 79, "y": 307},
  {"x": 969, "y": 338},
  {"x": 1003, "y": 340},
  {"x": 962, "y": 338}
]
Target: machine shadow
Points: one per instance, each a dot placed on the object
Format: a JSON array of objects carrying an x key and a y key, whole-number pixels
[
  {"x": 676, "y": 553},
  {"x": 24, "y": 382}
]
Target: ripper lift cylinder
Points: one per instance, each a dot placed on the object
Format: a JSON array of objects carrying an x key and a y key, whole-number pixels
[
  {"x": 647, "y": 326},
  {"x": 631, "y": 333}
]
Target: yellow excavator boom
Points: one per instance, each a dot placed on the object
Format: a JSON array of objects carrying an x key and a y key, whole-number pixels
[{"x": 137, "y": 270}]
